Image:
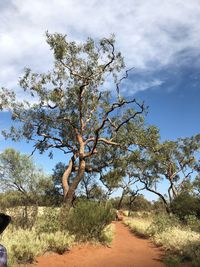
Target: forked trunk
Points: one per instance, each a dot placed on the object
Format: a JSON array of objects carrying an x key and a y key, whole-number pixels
[{"x": 69, "y": 194}]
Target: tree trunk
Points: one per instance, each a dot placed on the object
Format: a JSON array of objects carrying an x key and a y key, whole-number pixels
[
  {"x": 121, "y": 199},
  {"x": 68, "y": 198},
  {"x": 65, "y": 178}
]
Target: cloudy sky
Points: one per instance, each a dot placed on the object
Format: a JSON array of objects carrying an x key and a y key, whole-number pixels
[{"x": 161, "y": 39}]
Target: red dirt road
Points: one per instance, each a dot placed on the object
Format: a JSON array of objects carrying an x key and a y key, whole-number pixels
[{"x": 127, "y": 250}]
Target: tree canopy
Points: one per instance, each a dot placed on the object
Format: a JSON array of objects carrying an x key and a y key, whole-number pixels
[{"x": 73, "y": 110}]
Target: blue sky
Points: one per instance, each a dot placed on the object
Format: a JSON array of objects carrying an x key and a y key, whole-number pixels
[{"x": 160, "y": 39}]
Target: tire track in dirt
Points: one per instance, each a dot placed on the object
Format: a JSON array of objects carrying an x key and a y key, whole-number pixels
[{"x": 127, "y": 250}]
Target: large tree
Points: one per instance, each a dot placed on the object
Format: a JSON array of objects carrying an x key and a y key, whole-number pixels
[{"x": 73, "y": 109}]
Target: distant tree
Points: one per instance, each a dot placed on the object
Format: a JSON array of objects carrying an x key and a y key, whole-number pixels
[
  {"x": 73, "y": 109},
  {"x": 196, "y": 185},
  {"x": 139, "y": 203},
  {"x": 58, "y": 172},
  {"x": 18, "y": 173},
  {"x": 174, "y": 161},
  {"x": 90, "y": 188}
]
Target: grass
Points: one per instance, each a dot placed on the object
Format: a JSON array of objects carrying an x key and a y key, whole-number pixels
[
  {"x": 24, "y": 245},
  {"x": 44, "y": 235},
  {"x": 108, "y": 234},
  {"x": 139, "y": 226}
]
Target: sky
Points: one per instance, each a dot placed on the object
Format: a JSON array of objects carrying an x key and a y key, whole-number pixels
[{"x": 160, "y": 39}]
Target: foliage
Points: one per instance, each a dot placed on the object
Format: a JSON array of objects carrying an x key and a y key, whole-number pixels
[
  {"x": 158, "y": 206},
  {"x": 162, "y": 222},
  {"x": 192, "y": 222},
  {"x": 56, "y": 189},
  {"x": 140, "y": 203},
  {"x": 24, "y": 245},
  {"x": 58, "y": 241},
  {"x": 196, "y": 185},
  {"x": 90, "y": 188},
  {"x": 186, "y": 204},
  {"x": 88, "y": 219},
  {"x": 173, "y": 161},
  {"x": 107, "y": 234},
  {"x": 184, "y": 243},
  {"x": 23, "y": 216},
  {"x": 10, "y": 199},
  {"x": 73, "y": 111},
  {"x": 19, "y": 173},
  {"x": 172, "y": 261},
  {"x": 49, "y": 221}
]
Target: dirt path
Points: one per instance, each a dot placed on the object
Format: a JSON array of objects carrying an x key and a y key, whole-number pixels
[{"x": 127, "y": 250}]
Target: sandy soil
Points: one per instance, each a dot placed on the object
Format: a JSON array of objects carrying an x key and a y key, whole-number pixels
[{"x": 127, "y": 250}]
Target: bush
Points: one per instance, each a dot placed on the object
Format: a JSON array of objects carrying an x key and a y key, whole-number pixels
[
  {"x": 185, "y": 204},
  {"x": 141, "y": 204},
  {"x": 185, "y": 243},
  {"x": 24, "y": 245},
  {"x": 57, "y": 242},
  {"x": 88, "y": 219},
  {"x": 107, "y": 234},
  {"x": 192, "y": 222},
  {"x": 161, "y": 223},
  {"x": 23, "y": 216},
  {"x": 49, "y": 221}
]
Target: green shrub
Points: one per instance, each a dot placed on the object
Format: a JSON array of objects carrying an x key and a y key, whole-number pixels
[
  {"x": 185, "y": 204},
  {"x": 57, "y": 242},
  {"x": 161, "y": 223},
  {"x": 107, "y": 234},
  {"x": 49, "y": 221},
  {"x": 88, "y": 219},
  {"x": 23, "y": 216},
  {"x": 172, "y": 261},
  {"x": 192, "y": 222},
  {"x": 24, "y": 245}
]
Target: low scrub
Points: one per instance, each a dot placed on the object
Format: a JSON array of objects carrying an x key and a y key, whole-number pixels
[
  {"x": 88, "y": 219},
  {"x": 138, "y": 225},
  {"x": 107, "y": 234},
  {"x": 192, "y": 222},
  {"x": 23, "y": 216},
  {"x": 162, "y": 222},
  {"x": 185, "y": 243},
  {"x": 48, "y": 221},
  {"x": 24, "y": 245}
]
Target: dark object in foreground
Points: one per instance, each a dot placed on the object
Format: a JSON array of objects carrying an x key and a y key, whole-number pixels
[{"x": 4, "y": 221}]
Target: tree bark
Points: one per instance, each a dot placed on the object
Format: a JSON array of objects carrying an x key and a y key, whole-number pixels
[
  {"x": 65, "y": 178},
  {"x": 68, "y": 199},
  {"x": 121, "y": 199}
]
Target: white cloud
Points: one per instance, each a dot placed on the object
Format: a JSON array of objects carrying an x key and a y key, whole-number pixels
[{"x": 149, "y": 33}]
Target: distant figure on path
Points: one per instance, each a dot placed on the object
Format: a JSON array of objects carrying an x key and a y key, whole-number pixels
[
  {"x": 116, "y": 215},
  {"x": 4, "y": 221}
]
